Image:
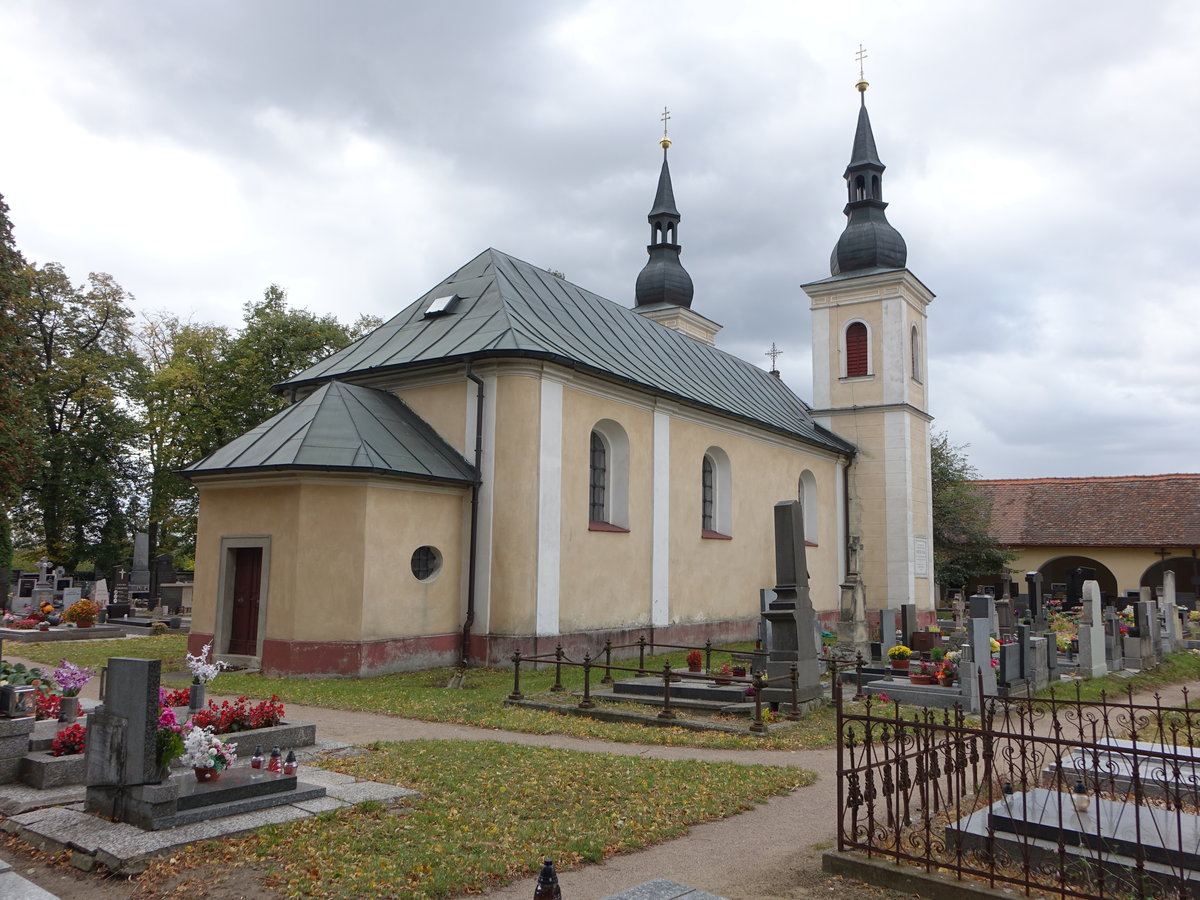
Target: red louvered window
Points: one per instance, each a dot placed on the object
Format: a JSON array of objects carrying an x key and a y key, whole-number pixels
[{"x": 856, "y": 350}]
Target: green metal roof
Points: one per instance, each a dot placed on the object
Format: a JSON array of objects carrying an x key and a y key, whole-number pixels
[
  {"x": 510, "y": 308},
  {"x": 342, "y": 427}
]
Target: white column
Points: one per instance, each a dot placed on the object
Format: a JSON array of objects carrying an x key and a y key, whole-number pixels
[
  {"x": 549, "y": 531},
  {"x": 660, "y": 565}
]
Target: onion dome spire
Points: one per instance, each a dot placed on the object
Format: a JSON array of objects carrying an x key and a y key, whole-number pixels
[
  {"x": 664, "y": 279},
  {"x": 869, "y": 241}
]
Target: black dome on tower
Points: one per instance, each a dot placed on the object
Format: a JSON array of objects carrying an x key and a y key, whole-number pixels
[
  {"x": 869, "y": 241},
  {"x": 664, "y": 279}
]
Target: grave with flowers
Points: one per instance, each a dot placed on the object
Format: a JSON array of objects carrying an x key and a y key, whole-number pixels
[{"x": 132, "y": 741}]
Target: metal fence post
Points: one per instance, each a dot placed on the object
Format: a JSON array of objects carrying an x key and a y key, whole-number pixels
[
  {"x": 516, "y": 691},
  {"x": 607, "y": 679},
  {"x": 708, "y": 655},
  {"x": 557, "y": 687},
  {"x": 795, "y": 679},
  {"x": 586, "y": 701},
  {"x": 758, "y": 726},
  {"x": 642, "y": 656},
  {"x": 667, "y": 712}
]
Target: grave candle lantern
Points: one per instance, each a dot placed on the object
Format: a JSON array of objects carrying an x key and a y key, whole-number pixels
[{"x": 16, "y": 700}]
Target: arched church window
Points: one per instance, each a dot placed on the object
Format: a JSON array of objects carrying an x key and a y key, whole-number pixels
[
  {"x": 715, "y": 494},
  {"x": 597, "y": 481},
  {"x": 916, "y": 354},
  {"x": 875, "y": 187},
  {"x": 858, "y": 356},
  {"x": 608, "y": 477}
]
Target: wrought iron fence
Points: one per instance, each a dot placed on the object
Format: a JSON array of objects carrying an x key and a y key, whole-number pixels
[{"x": 1054, "y": 797}]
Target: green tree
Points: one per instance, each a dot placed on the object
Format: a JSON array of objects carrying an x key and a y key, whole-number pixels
[
  {"x": 82, "y": 366},
  {"x": 963, "y": 548},
  {"x": 275, "y": 343},
  {"x": 185, "y": 410},
  {"x": 202, "y": 386},
  {"x": 18, "y": 422}
]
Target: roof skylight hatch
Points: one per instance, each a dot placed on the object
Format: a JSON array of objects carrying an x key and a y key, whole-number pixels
[{"x": 441, "y": 306}]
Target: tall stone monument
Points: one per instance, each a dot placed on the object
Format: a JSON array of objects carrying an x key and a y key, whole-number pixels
[
  {"x": 853, "y": 637},
  {"x": 1092, "y": 663},
  {"x": 790, "y": 614},
  {"x": 139, "y": 578}
]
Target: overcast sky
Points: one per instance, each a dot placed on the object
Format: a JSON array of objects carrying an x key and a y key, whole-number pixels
[{"x": 1041, "y": 165}]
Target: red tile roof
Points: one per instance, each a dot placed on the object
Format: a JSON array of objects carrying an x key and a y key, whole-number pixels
[{"x": 1125, "y": 511}]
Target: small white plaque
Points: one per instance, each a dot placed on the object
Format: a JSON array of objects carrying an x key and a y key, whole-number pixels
[{"x": 921, "y": 556}]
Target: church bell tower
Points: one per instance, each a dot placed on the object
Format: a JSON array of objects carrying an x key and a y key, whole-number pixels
[{"x": 870, "y": 384}]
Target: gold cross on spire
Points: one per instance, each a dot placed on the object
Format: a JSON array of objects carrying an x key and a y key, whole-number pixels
[
  {"x": 774, "y": 353},
  {"x": 862, "y": 79},
  {"x": 666, "y": 141}
]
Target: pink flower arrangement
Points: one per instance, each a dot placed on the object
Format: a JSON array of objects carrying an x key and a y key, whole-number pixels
[{"x": 71, "y": 678}]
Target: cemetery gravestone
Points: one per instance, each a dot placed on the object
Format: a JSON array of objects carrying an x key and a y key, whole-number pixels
[
  {"x": 139, "y": 579},
  {"x": 1092, "y": 663},
  {"x": 908, "y": 622},
  {"x": 791, "y": 613},
  {"x": 123, "y": 777},
  {"x": 980, "y": 668}
]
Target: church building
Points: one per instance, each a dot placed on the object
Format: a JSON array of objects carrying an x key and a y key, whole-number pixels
[{"x": 513, "y": 461}]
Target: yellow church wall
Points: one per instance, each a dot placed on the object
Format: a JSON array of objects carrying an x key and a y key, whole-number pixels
[
  {"x": 604, "y": 576},
  {"x": 515, "y": 505},
  {"x": 719, "y": 579},
  {"x": 868, "y": 480},
  {"x": 397, "y": 522},
  {"x": 444, "y": 407},
  {"x": 238, "y": 511},
  {"x": 326, "y": 603},
  {"x": 865, "y": 390}
]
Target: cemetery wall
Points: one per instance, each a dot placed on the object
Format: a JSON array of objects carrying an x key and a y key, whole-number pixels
[
  {"x": 446, "y": 407},
  {"x": 1127, "y": 564},
  {"x": 605, "y": 576}
]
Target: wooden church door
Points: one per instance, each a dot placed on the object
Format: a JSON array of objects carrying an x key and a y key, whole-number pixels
[{"x": 247, "y": 578}]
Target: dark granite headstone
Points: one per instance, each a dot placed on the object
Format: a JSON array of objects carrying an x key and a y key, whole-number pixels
[
  {"x": 980, "y": 607},
  {"x": 793, "y": 640},
  {"x": 908, "y": 620}
]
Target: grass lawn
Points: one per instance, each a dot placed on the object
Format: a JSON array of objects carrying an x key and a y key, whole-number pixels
[
  {"x": 170, "y": 648},
  {"x": 1176, "y": 668},
  {"x": 489, "y": 813}
]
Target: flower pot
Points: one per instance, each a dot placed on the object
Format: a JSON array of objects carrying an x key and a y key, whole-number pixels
[
  {"x": 84, "y": 624},
  {"x": 900, "y": 663},
  {"x": 739, "y": 671},
  {"x": 43, "y": 626},
  {"x": 195, "y": 698},
  {"x": 724, "y": 680},
  {"x": 947, "y": 680},
  {"x": 206, "y": 774},
  {"x": 920, "y": 679},
  {"x": 68, "y": 710},
  {"x": 695, "y": 668}
]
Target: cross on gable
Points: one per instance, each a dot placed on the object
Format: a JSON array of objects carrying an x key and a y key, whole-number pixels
[{"x": 774, "y": 353}]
